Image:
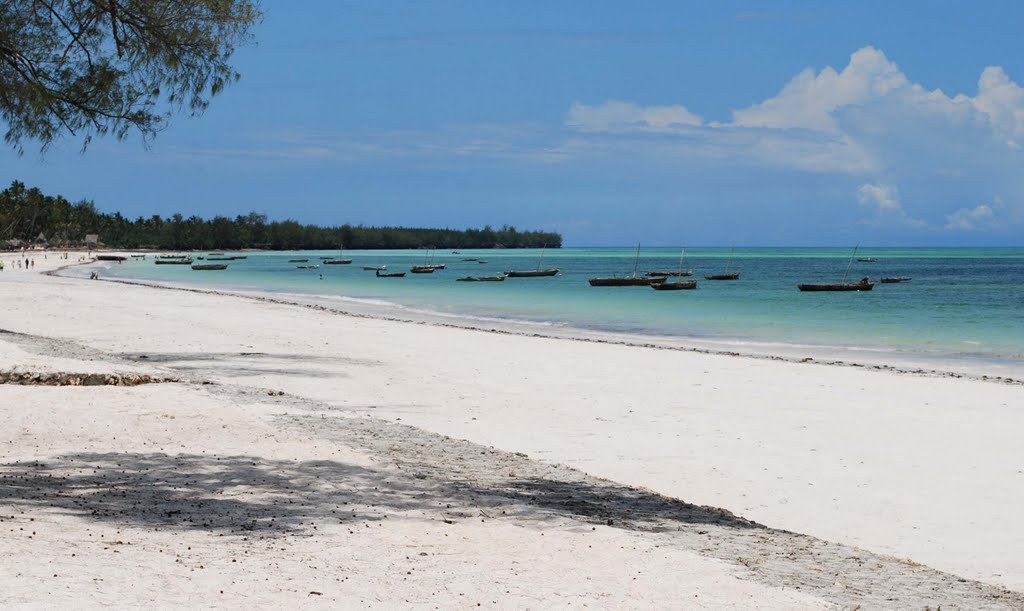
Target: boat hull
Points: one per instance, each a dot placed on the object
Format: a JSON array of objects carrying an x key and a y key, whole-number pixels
[
  {"x": 673, "y": 274},
  {"x": 732, "y": 276},
  {"x": 895, "y": 280},
  {"x": 853, "y": 286},
  {"x": 337, "y": 262},
  {"x": 628, "y": 281},
  {"x": 682, "y": 285},
  {"x": 210, "y": 268},
  {"x": 532, "y": 273},
  {"x": 481, "y": 279}
]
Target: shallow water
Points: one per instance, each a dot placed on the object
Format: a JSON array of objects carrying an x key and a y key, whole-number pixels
[{"x": 960, "y": 304}]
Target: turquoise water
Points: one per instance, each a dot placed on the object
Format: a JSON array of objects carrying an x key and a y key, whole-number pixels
[{"x": 961, "y": 302}]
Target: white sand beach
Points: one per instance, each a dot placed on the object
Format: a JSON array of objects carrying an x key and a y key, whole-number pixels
[{"x": 306, "y": 457}]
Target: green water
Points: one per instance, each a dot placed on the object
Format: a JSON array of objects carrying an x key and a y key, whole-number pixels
[{"x": 960, "y": 303}]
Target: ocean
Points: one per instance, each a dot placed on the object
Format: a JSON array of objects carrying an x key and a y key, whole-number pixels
[{"x": 963, "y": 305}]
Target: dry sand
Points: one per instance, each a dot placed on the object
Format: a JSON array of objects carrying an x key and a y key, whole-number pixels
[{"x": 414, "y": 465}]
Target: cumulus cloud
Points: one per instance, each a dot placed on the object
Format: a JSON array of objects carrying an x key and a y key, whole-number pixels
[
  {"x": 972, "y": 219},
  {"x": 886, "y": 197},
  {"x": 615, "y": 116},
  {"x": 866, "y": 121}
]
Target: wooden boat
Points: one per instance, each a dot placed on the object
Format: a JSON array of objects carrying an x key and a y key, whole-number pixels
[
  {"x": 728, "y": 275},
  {"x": 471, "y": 259},
  {"x": 863, "y": 285},
  {"x": 337, "y": 261},
  {"x": 234, "y": 258},
  {"x": 392, "y": 275},
  {"x": 533, "y": 273},
  {"x": 894, "y": 279},
  {"x": 209, "y": 266},
  {"x": 374, "y": 268},
  {"x": 173, "y": 261},
  {"x": 298, "y": 260},
  {"x": 633, "y": 280},
  {"x": 172, "y": 256},
  {"x": 867, "y": 259},
  {"x": 422, "y": 269},
  {"x": 627, "y": 281},
  {"x": 307, "y": 266},
  {"x": 678, "y": 285},
  {"x": 117, "y": 258},
  {"x": 672, "y": 274},
  {"x": 497, "y": 278}
]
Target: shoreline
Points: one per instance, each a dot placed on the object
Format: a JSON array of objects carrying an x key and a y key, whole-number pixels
[
  {"x": 916, "y": 469},
  {"x": 821, "y": 355}
]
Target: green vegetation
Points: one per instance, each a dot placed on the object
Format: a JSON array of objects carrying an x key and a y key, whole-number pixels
[
  {"x": 26, "y": 213},
  {"x": 87, "y": 67}
]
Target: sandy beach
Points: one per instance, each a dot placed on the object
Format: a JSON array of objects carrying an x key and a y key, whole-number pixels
[{"x": 279, "y": 454}]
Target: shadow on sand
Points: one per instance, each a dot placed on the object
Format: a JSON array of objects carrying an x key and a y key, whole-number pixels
[{"x": 242, "y": 494}]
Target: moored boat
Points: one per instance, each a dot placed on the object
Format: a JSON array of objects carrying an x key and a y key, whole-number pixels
[
  {"x": 677, "y": 285},
  {"x": 298, "y": 260},
  {"x": 186, "y": 261},
  {"x": 374, "y": 268},
  {"x": 626, "y": 281},
  {"x": 421, "y": 269},
  {"x": 307, "y": 266},
  {"x": 531, "y": 273},
  {"x": 730, "y": 276},
  {"x": 209, "y": 266},
  {"x": 497, "y": 278},
  {"x": 633, "y": 280},
  {"x": 391, "y": 275},
  {"x": 864, "y": 285},
  {"x": 117, "y": 258},
  {"x": 894, "y": 279}
]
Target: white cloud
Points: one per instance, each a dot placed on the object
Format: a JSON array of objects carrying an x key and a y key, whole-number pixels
[
  {"x": 972, "y": 219},
  {"x": 866, "y": 121},
  {"x": 886, "y": 197},
  {"x": 614, "y": 116}
]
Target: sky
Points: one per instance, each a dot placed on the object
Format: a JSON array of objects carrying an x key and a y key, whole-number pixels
[{"x": 665, "y": 123}]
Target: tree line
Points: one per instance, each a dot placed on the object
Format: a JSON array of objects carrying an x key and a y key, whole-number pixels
[{"x": 27, "y": 216}]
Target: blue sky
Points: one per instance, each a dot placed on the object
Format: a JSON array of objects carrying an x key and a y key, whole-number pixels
[{"x": 704, "y": 123}]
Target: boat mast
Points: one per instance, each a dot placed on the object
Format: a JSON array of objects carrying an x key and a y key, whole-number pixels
[
  {"x": 728, "y": 265},
  {"x": 850, "y": 264},
  {"x": 541, "y": 262},
  {"x": 636, "y": 261},
  {"x": 682, "y": 251}
]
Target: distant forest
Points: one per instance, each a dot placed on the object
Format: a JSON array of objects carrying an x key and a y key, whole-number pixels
[{"x": 27, "y": 216}]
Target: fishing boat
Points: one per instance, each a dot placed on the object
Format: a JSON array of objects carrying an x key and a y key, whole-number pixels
[
  {"x": 298, "y": 260},
  {"x": 209, "y": 266},
  {"x": 894, "y": 279},
  {"x": 497, "y": 278},
  {"x": 336, "y": 261},
  {"x": 633, "y": 280},
  {"x": 172, "y": 256},
  {"x": 428, "y": 266},
  {"x": 117, "y": 258},
  {"x": 392, "y": 275},
  {"x": 471, "y": 259},
  {"x": 185, "y": 261},
  {"x": 728, "y": 275},
  {"x": 421, "y": 269},
  {"x": 867, "y": 259},
  {"x": 677, "y": 285},
  {"x": 677, "y": 273},
  {"x": 374, "y": 268},
  {"x": 307, "y": 266},
  {"x": 533, "y": 273},
  {"x": 233, "y": 258},
  {"x": 865, "y": 283}
]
